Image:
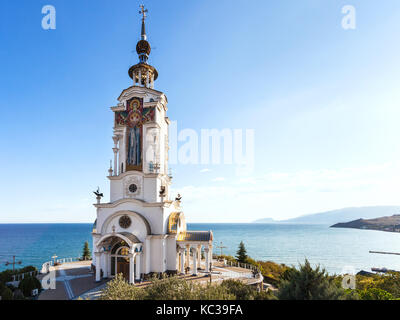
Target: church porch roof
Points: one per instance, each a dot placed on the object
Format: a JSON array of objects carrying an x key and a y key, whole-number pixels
[{"x": 197, "y": 236}]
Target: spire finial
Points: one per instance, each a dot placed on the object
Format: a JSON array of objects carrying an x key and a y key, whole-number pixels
[
  {"x": 143, "y": 73},
  {"x": 143, "y": 12}
]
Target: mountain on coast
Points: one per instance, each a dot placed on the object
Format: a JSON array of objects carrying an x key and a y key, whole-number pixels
[
  {"x": 391, "y": 224},
  {"x": 341, "y": 215}
]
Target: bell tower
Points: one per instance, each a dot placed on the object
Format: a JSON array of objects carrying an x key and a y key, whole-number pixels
[
  {"x": 141, "y": 230},
  {"x": 140, "y": 169}
]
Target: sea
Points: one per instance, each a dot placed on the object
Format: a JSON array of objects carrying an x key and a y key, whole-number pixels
[{"x": 337, "y": 250}]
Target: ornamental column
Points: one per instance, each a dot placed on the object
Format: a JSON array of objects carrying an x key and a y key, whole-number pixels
[
  {"x": 108, "y": 265},
  {"x": 206, "y": 253},
  {"x": 211, "y": 253},
  {"x": 147, "y": 256},
  {"x": 199, "y": 254},
  {"x": 140, "y": 77},
  {"x": 187, "y": 255},
  {"x": 182, "y": 260},
  {"x": 134, "y": 78},
  {"x": 152, "y": 81},
  {"x": 148, "y": 79},
  {"x": 131, "y": 268},
  {"x": 115, "y": 149},
  {"x": 105, "y": 264},
  {"x": 98, "y": 266},
  {"x": 138, "y": 266},
  {"x": 194, "y": 261}
]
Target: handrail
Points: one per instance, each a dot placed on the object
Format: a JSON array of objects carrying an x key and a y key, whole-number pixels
[
  {"x": 46, "y": 266},
  {"x": 21, "y": 276},
  {"x": 254, "y": 268},
  {"x": 244, "y": 266}
]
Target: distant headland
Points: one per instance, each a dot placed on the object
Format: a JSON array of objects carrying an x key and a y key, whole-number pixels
[
  {"x": 390, "y": 224},
  {"x": 341, "y": 215}
]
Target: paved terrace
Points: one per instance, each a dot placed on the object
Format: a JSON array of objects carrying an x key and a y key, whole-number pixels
[{"x": 76, "y": 281}]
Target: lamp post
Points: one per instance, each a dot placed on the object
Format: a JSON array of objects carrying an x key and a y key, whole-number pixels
[
  {"x": 221, "y": 247},
  {"x": 13, "y": 263}
]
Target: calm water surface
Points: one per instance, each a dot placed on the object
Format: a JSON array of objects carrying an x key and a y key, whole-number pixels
[{"x": 333, "y": 248}]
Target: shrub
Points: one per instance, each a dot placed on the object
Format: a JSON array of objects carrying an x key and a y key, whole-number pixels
[
  {"x": 28, "y": 284},
  {"x": 240, "y": 290},
  {"x": 119, "y": 289},
  {"x": 309, "y": 284},
  {"x": 2, "y": 287},
  {"x": 26, "y": 269},
  {"x": 391, "y": 284},
  {"x": 18, "y": 295},
  {"x": 273, "y": 272},
  {"x": 265, "y": 295},
  {"x": 211, "y": 292},
  {"x": 7, "y": 294},
  {"x": 375, "y": 294},
  {"x": 6, "y": 276},
  {"x": 171, "y": 288}
]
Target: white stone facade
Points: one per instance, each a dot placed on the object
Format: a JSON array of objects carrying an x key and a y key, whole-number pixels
[
  {"x": 141, "y": 227},
  {"x": 141, "y": 230}
]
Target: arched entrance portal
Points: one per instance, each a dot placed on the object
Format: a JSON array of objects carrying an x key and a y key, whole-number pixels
[
  {"x": 119, "y": 253},
  {"x": 120, "y": 260}
]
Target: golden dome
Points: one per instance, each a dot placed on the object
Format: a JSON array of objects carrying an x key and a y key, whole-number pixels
[{"x": 143, "y": 47}]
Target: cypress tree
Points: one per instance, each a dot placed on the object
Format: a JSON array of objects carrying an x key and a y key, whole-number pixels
[
  {"x": 86, "y": 252},
  {"x": 241, "y": 254}
]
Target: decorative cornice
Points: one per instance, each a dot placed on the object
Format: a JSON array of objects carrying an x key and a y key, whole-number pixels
[
  {"x": 137, "y": 173},
  {"x": 120, "y": 201},
  {"x": 141, "y": 91}
]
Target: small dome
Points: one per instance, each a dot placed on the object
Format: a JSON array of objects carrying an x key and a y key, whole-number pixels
[{"x": 143, "y": 47}]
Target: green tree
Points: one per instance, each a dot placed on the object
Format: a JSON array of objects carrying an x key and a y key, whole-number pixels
[
  {"x": 375, "y": 294},
  {"x": 119, "y": 289},
  {"x": 6, "y": 276},
  {"x": 171, "y": 288},
  {"x": 86, "y": 255},
  {"x": 6, "y": 294},
  {"x": 241, "y": 254},
  {"x": 2, "y": 287},
  {"x": 28, "y": 284},
  {"x": 391, "y": 284},
  {"x": 240, "y": 290},
  {"x": 309, "y": 284}
]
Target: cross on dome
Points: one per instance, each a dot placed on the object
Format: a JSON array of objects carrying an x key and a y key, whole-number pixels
[{"x": 143, "y": 12}]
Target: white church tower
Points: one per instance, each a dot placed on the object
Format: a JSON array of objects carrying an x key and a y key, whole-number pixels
[{"x": 141, "y": 231}]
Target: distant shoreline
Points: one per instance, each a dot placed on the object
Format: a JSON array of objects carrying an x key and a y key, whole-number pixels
[{"x": 387, "y": 224}]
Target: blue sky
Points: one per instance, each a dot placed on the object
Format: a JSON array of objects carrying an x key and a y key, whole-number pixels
[{"x": 323, "y": 102}]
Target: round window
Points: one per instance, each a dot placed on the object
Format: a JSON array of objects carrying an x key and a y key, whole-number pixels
[
  {"x": 125, "y": 222},
  {"x": 133, "y": 188}
]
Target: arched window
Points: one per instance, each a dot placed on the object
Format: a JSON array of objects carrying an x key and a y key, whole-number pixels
[
  {"x": 117, "y": 247},
  {"x": 123, "y": 251}
]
